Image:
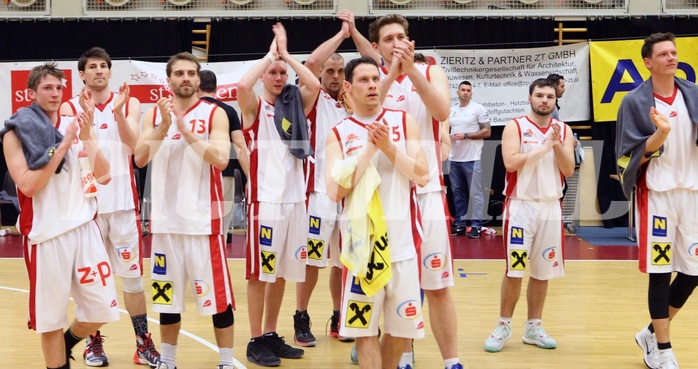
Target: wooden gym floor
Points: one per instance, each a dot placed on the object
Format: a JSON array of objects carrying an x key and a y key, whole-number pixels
[{"x": 593, "y": 313}]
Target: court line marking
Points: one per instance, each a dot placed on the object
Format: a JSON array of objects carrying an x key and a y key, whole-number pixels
[{"x": 194, "y": 337}]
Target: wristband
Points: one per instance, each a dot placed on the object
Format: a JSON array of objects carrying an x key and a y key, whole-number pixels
[{"x": 271, "y": 57}]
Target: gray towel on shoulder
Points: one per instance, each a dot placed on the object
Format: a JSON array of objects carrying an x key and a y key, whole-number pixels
[
  {"x": 38, "y": 135},
  {"x": 291, "y": 122}
]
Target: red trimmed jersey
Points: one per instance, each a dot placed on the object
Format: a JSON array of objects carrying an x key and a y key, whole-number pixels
[
  {"x": 326, "y": 113},
  {"x": 187, "y": 192}
]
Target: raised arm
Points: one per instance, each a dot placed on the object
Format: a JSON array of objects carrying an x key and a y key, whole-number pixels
[
  {"x": 412, "y": 164},
  {"x": 326, "y": 49},
  {"x": 362, "y": 43},
  {"x": 127, "y": 125},
  {"x": 310, "y": 84},
  {"x": 215, "y": 151},
  {"x": 100, "y": 165},
  {"x": 29, "y": 181},
  {"x": 334, "y": 154},
  {"x": 247, "y": 98},
  {"x": 515, "y": 160},
  {"x": 151, "y": 137}
]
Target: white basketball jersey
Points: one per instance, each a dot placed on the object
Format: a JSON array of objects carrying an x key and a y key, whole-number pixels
[
  {"x": 187, "y": 192},
  {"x": 326, "y": 113},
  {"x": 121, "y": 192},
  {"x": 275, "y": 174},
  {"x": 60, "y": 206},
  {"x": 398, "y": 197},
  {"x": 675, "y": 168},
  {"x": 402, "y": 95},
  {"x": 539, "y": 180}
]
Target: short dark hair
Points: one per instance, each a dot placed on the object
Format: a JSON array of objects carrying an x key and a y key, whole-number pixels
[
  {"x": 654, "y": 38},
  {"x": 540, "y": 82},
  {"x": 182, "y": 56},
  {"x": 375, "y": 27},
  {"x": 349, "y": 68},
  {"x": 40, "y": 71},
  {"x": 465, "y": 83},
  {"x": 208, "y": 81},
  {"x": 95, "y": 53},
  {"x": 555, "y": 78},
  {"x": 420, "y": 58}
]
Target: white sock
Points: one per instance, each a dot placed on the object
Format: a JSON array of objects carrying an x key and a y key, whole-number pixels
[
  {"x": 405, "y": 359},
  {"x": 505, "y": 320},
  {"x": 226, "y": 355},
  {"x": 168, "y": 354},
  {"x": 449, "y": 363},
  {"x": 532, "y": 323}
]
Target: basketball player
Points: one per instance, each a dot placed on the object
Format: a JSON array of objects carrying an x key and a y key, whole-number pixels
[
  {"x": 187, "y": 142},
  {"x": 116, "y": 117},
  {"x": 538, "y": 153},
  {"x": 389, "y": 141},
  {"x": 656, "y": 155},
  {"x": 64, "y": 252},
  {"x": 421, "y": 90},
  {"x": 323, "y": 227},
  {"x": 277, "y": 235}
]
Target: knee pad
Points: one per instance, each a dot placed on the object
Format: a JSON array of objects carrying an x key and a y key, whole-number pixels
[
  {"x": 681, "y": 289},
  {"x": 132, "y": 285},
  {"x": 166, "y": 319},
  {"x": 224, "y": 319},
  {"x": 658, "y": 295}
]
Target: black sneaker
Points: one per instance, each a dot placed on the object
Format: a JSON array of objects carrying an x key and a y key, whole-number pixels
[
  {"x": 301, "y": 327},
  {"x": 457, "y": 230},
  {"x": 278, "y": 347},
  {"x": 474, "y": 232},
  {"x": 259, "y": 353},
  {"x": 334, "y": 328}
]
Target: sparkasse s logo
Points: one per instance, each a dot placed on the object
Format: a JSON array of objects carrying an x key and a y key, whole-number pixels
[{"x": 20, "y": 92}]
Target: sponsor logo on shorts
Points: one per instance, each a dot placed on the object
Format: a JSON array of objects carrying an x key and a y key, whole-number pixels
[
  {"x": 162, "y": 292},
  {"x": 445, "y": 274},
  {"x": 661, "y": 253},
  {"x": 356, "y": 286},
  {"x": 302, "y": 253},
  {"x": 113, "y": 303},
  {"x": 359, "y": 314},
  {"x": 516, "y": 236},
  {"x": 126, "y": 253},
  {"x": 207, "y": 303},
  {"x": 434, "y": 261},
  {"x": 268, "y": 261},
  {"x": 420, "y": 325},
  {"x": 693, "y": 250},
  {"x": 549, "y": 253},
  {"x": 201, "y": 288},
  {"x": 103, "y": 126},
  {"x": 160, "y": 264},
  {"x": 315, "y": 248},
  {"x": 658, "y": 226},
  {"x": 410, "y": 309},
  {"x": 517, "y": 259},
  {"x": 133, "y": 267},
  {"x": 265, "y": 235},
  {"x": 314, "y": 225}
]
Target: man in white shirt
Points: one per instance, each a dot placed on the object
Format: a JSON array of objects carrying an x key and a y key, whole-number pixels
[{"x": 470, "y": 124}]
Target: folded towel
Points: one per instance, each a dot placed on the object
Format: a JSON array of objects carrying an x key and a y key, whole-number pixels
[
  {"x": 365, "y": 247},
  {"x": 38, "y": 135},
  {"x": 291, "y": 122}
]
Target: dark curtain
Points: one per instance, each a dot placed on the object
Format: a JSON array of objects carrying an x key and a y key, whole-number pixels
[
  {"x": 152, "y": 40},
  {"x": 245, "y": 39}
]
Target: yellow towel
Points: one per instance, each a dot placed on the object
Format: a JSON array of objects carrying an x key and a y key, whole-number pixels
[{"x": 365, "y": 247}]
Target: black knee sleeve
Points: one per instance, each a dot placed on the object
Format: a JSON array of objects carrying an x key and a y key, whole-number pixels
[
  {"x": 681, "y": 289},
  {"x": 658, "y": 295},
  {"x": 224, "y": 319},
  {"x": 166, "y": 319}
]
